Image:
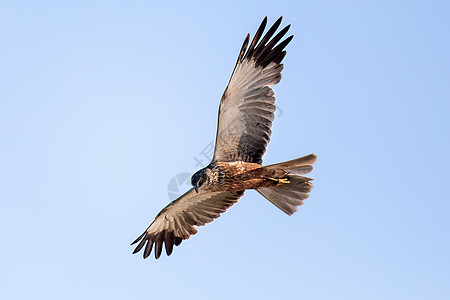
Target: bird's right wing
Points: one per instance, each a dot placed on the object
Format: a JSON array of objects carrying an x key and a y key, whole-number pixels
[{"x": 178, "y": 220}]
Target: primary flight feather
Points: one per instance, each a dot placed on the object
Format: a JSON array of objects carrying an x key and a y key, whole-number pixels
[{"x": 246, "y": 113}]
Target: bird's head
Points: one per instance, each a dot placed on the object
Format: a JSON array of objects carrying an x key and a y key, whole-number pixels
[{"x": 200, "y": 178}]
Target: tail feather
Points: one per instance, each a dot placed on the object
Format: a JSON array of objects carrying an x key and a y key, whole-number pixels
[
  {"x": 300, "y": 170},
  {"x": 288, "y": 197},
  {"x": 299, "y": 162}
]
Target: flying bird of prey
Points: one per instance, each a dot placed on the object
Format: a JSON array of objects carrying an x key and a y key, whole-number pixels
[{"x": 246, "y": 113}]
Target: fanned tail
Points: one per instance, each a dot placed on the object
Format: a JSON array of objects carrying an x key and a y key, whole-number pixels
[{"x": 288, "y": 197}]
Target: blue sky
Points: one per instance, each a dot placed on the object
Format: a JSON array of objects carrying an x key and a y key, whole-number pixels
[{"x": 104, "y": 102}]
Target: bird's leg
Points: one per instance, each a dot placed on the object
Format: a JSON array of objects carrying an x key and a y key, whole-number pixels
[
  {"x": 283, "y": 180},
  {"x": 279, "y": 181}
]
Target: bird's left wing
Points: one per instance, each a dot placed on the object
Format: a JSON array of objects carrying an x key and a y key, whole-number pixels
[
  {"x": 247, "y": 107},
  {"x": 178, "y": 220}
]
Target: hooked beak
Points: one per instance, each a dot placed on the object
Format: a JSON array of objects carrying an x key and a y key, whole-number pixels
[{"x": 196, "y": 188}]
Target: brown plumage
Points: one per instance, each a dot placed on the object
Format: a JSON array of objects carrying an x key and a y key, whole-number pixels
[
  {"x": 246, "y": 113},
  {"x": 240, "y": 176}
]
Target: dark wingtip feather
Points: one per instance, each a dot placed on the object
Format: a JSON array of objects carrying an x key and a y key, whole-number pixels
[
  {"x": 264, "y": 21},
  {"x": 267, "y": 36},
  {"x": 158, "y": 248},
  {"x": 256, "y": 38},
  {"x": 265, "y": 50},
  {"x": 280, "y": 57},
  {"x": 148, "y": 249},
  {"x": 280, "y": 19},
  {"x": 272, "y": 55},
  {"x": 138, "y": 239},
  {"x": 169, "y": 242},
  {"x": 243, "y": 49},
  {"x": 277, "y": 38},
  {"x": 178, "y": 241},
  {"x": 139, "y": 247}
]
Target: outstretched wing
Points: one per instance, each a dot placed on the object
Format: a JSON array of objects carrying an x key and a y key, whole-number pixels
[
  {"x": 247, "y": 107},
  {"x": 178, "y": 220}
]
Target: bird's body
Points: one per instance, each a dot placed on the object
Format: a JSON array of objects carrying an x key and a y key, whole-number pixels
[
  {"x": 240, "y": 176},
  {"x": 246, "y": 113}
]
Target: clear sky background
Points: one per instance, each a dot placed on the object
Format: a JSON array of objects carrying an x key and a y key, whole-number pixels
[{"x": 103, "y": 102}]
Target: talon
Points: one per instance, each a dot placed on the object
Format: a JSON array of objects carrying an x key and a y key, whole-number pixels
[
  {"x": 279, "y": 180},
  {"x": 283, "y": 180}
]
